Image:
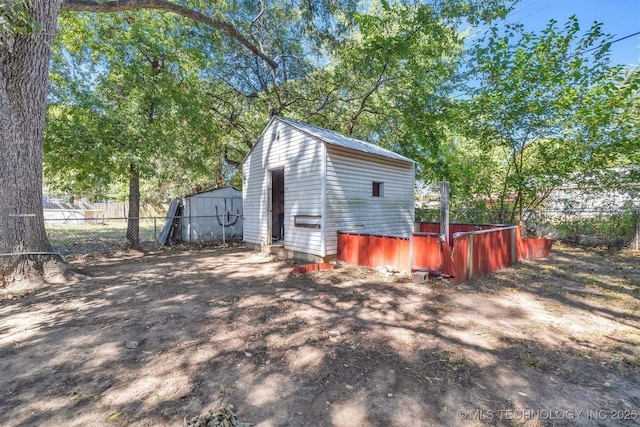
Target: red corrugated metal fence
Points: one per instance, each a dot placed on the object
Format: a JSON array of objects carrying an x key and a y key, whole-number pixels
[
  {"x": 477, "y": 249},
  {"x": 374, "y": 251}
]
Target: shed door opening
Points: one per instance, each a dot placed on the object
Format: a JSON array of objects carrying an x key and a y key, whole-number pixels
[{"x": 277, "y": 206}]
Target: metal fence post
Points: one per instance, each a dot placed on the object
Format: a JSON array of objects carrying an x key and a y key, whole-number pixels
[
  {"x": 470, "y": 257},
  {"x": 155, "y": 229},
  {"x": 190, "y": 224},
  {"x": 514, "y": 242},
  {"x": 444, "y": 210},
  {"x": 637, "y": 237}
]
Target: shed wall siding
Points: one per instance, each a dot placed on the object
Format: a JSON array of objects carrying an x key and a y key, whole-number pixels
[
  {"x": 199, "y": 222},
  {"x": 282, "y": 146},
  {"x": 351, "y": 207}
]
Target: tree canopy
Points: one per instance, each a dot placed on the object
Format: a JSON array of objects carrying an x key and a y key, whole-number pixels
[
  {"x": 365, "y": 72},
  {"x": 125, "y": 91},
  {"x": 518, "y": 112},
  {"x": 540, "y": 109}
]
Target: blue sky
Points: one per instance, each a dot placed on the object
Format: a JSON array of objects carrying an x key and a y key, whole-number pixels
[{"x": 619, "y": 17}]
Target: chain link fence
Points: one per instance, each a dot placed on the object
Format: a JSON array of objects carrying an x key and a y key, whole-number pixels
[
  {"x": 592, "y": 227},
  {"x": 77, "y": 235}
]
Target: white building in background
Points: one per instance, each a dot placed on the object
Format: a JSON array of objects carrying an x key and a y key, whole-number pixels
[
  {"x": 208, "y": 216},
  {"x": 592, "y": 196}
]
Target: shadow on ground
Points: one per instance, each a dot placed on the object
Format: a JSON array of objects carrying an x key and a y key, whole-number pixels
[{"x": 154, "y": 339}]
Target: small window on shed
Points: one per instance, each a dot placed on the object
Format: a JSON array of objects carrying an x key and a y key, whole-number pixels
[{"x": 378, "y": 189}]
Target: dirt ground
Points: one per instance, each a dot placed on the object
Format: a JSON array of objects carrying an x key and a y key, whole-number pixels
[{"x": 154, "y": 339}]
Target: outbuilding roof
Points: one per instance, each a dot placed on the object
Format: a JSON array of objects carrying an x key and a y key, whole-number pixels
[
  {"x": 334, "y": 138},
  {"x": 338, "y": 139},
  {"x": 212, "y": 190}
]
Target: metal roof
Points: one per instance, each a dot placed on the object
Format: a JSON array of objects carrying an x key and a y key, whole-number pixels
[
  {"x": 211, "y": 190},
  {"x": 335, "y": 138}
]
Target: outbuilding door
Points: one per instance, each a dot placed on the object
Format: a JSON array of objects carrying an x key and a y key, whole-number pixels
[{"x": 276, "y": 206}]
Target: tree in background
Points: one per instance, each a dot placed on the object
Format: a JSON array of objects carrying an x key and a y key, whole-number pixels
[
  {"x": 244, "y": 94},
  {"x": 397, "y": 55},
  {"x": 134, "y": 105},
  {"x": 390, "y": 82},
  {"x": 610, "y": 115},
  {"x": 529, "y": 113}
]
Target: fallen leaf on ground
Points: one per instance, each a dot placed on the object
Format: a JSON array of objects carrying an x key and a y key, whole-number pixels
[{"x": 114, "y": 416}]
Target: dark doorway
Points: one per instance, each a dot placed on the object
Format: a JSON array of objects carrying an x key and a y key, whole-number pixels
[{"x": 277, "y": 205}]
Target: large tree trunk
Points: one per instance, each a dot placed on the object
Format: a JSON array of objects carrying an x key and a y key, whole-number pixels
[
  {"x": 24, "y": 67},
  {"x": 133, "y": 222}
]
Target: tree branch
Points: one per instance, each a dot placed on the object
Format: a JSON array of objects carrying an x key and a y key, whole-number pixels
[
  {"x": 257, "y": 18},
  {"x": 366, "y": 96},
  {"x": 167, "y": 6}
]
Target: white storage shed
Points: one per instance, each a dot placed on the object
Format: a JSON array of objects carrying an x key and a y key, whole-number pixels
[
  {"x": 208, "y": 216},
  {"x": 302, "y": 184}
]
